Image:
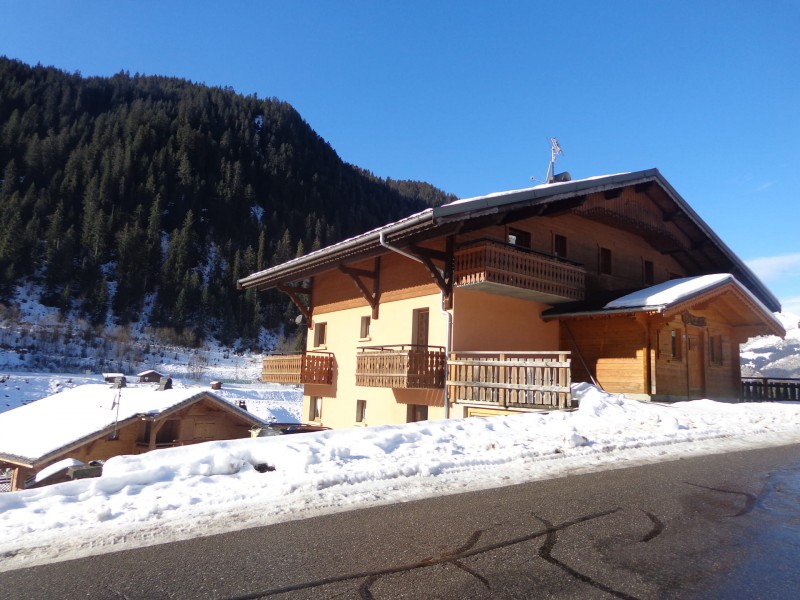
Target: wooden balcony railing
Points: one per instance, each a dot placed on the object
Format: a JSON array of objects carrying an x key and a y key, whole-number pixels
[
  {"x": 488, "y": 261},
  {"x": 768, "y": 389},
  {"x": 405, "y": 366},
  {"x": 309, "y": 367},
  {"x": 519, "y": 379}
]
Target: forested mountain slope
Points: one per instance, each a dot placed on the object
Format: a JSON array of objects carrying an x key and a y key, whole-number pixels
[{"x": 120, "y": 190}]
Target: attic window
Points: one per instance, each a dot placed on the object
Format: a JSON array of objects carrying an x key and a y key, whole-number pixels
[
  {"x": 604, "y": 261},
  {"x": 559, "y": 245},
  {"x": 648, "y": 273},
  {"x": 517, "y": 237}
]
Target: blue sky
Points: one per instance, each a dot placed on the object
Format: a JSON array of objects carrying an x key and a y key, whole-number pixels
[{"x": 465, "y": 94}]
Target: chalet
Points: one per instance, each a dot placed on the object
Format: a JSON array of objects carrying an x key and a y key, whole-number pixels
[
  {"x": 95, "y": 422},
  {"x": 496, "y": 304},
  {"x": 149, "y": 376}
]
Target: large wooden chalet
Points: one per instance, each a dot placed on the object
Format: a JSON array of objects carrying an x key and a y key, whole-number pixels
[{"x": 497, "y": 304}]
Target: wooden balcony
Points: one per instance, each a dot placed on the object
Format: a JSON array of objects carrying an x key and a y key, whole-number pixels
[
  {"x": 514, "y": 380},
  {"x": 510, "y": 270},
  {"x": 309, "y": 367},
  {"x": 405, "y": 366}
]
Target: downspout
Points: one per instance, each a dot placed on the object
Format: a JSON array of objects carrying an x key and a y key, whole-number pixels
[{"x": 448, "y": 318}]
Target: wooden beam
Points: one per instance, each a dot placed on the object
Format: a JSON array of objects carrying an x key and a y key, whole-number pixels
[
  {"x": 373, "y": 296},
  {"x": 304, "y": 307}
]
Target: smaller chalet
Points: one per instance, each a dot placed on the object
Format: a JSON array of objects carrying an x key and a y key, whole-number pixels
[
  {"x": 676, "y": 340},
  {"x": 114, "y": 378},
  {"x": 149, "y": 376},
  {"x": 95, "y": 422}
]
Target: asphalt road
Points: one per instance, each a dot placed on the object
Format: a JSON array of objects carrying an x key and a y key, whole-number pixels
[{"x": 723, "y": 526}]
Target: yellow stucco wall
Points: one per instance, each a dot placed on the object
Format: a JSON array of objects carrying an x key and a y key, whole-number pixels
[
  {"x": 393, "y": 326},
  {"x": 492, "y": 323}
]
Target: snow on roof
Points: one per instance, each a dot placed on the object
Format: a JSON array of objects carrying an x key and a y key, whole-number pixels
[
  {"x": 549, "y": 186},
  {"x": 148, "y": 372},
  {"x": 42, "y": 427},
  {"x": 669, "y": 292}
]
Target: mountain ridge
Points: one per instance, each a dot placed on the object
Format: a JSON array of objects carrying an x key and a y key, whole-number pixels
[{"x": 126, "y": 189}]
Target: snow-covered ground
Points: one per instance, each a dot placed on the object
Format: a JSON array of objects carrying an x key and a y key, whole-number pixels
[{"x": 213, "y": 487}]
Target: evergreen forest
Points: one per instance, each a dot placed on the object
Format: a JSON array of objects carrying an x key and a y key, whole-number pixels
[{"x": 137, "y": 197}]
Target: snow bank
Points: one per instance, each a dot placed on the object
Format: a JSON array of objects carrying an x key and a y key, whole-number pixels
[{"x": 208, "y": 488}]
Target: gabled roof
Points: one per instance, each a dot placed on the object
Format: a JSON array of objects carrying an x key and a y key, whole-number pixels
[
  {"x": 148, "y": 372},
  {"x": 674, "y": 296},
  {"x": 707, "y": 254},
  {"x": 44, "y": 429}
]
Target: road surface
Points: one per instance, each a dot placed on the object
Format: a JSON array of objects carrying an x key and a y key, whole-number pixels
[{"x": 721, "y": 526}]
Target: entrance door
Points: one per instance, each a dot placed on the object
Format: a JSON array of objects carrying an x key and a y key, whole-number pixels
[{"x": 695, "y": 364}]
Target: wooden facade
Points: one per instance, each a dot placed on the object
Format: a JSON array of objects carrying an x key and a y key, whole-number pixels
[{"x": 511, "y": 288}]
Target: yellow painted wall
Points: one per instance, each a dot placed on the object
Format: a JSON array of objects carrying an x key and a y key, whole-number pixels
[
  {"x": 490, "y": 323},
  {"x": 393, "y": 326}
]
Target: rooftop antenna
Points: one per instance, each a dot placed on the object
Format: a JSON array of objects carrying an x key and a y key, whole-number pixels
[
  {"x": 118, "y": 385},
  {"x": 555, "y": 151}
]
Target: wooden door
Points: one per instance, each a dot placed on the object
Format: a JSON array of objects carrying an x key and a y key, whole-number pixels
[{"x": 696, "y": 365}]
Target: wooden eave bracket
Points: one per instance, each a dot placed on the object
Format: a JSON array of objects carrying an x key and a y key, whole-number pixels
[
  {"x": 444, "y": 275},
  {"x": 293, "y": 292},
  {"x": 373, "y": 296}
]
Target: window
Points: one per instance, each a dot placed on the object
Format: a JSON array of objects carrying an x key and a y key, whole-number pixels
[
  {"x": 517, "y": 237},
  {"x": 320, "y": 334},
  {"x": 315, "y": 408},
  {"x": 417, "y": 412},
  {"x": 676, "y": 344},
  {"x": 559, "y": 245},
  {"x": 169, "y": 432},
  {"x": 361, "y": 411},
  {"x": 604, "y": 261},
  {"x": 648, "y": 273},
  {"x": 715, "y": 350},
  {"x": 365, "y": 322}
]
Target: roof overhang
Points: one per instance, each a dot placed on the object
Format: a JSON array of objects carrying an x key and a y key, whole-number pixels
[{"x": 470, "y": 213}]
